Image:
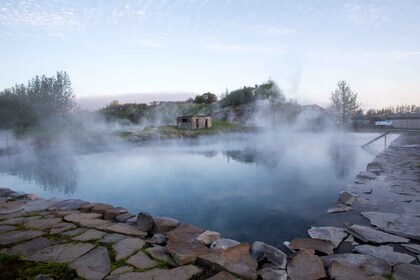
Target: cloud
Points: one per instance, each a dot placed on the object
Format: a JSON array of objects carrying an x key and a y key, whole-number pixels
[
  {"x": 274, "y": 31},
  {"x": 243, "y": 49},
  {"x": 29, "y": 13},
  {"x": 142, "y": 42}
]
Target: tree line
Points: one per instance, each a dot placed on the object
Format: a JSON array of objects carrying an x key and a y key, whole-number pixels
[{"x": 42, "y": 100}]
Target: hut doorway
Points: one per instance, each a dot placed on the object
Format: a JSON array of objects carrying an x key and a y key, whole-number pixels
[
  {"x": 206, "y": 124},
  {"x": 197, "y": 124}
]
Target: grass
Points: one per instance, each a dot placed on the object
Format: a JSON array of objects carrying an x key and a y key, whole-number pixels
[{"x": 12, "y": 267}]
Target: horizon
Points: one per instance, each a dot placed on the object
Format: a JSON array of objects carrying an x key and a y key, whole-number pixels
[{"x": 171, "y": 49}]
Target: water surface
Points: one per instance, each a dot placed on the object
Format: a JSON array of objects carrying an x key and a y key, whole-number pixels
[{"x": 248, "y": 187}]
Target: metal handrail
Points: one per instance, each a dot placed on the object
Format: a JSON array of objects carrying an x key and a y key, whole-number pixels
[{"x": 379, "y": 137}]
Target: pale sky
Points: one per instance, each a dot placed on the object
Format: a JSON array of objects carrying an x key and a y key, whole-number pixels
[{"x": 115, "y": 48}]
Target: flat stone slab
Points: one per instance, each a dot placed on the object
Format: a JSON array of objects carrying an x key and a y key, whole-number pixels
[
  {"x": 112, "y": 213},
  {"x": 6, "y": 228},
  {"x": 11, "y": 207},
  {"x": 319, "y": 245},
  {"x": 185, "y": 233},
  {"x": 42, "y": 224},
  {"x": 368, "y": 264},
  {"x": 208, "y": 237},
  {"x": 141, "y": 261},
  {"x": 223, "y": 243},
  {"x": 178, "y": 273},
  {"x": 18, "y": 220},
  {"x": 333, "y": 234},
  {"x": 127, "y": 247},
  {"x": 159, "y": 253},
  {"x": 185, "y": 252},
  {"x": 385, "y": 253},
  {"x": 305, "y": 265},
  {"x": 347, "y": 198},
  {"x": 40, "y": 204},
  {"x": 261, "y": 251},
  {"x": 62, "y": 253},
  {"x": 77, "y": 217},
  {"x": 367, "y": 234},
  {"x": 403, "y": 225},
  {"x": 68, "y": 204},
  {"x": 18, "y": 236},
  {"x": 89, "y": 235},
  {"x": 100, "y": 208},
  {"x": 342, "y": 272},
  {"x": 112, "y": 238},
  {"x": 415, "y": 248},
  {"x": 95, "y": 223},
  {"x": 30, "y": 247},
  {"x": 164, "y": 224},
  {"x": 235, "y": 260},
  {"x": 61, "y": 227},
  {"x": 339, "y": 207},
  {"x": 406, "y": 272},
  {"x": 121, "y": 270},
  {"x": 87, "y": 207},
  {"x": 124, "y": 217},
  {"x": 126, "y": 229},
  {"x": 95, "y": 265},
  {"x": 74, "y": 232}
]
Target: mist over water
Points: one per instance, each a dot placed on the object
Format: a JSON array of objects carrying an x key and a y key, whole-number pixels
[{"x": 269, "y": 187}]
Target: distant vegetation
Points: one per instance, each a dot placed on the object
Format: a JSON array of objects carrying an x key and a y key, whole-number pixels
[
  {"x": 205, "y": 98},
  {"x": 344, "y": 104},
  {"x": 42, "y": 99}
]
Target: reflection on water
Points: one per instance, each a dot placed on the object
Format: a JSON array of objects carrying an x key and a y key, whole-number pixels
[
  {"x": 51, "y": 172},
  {"x": 248, "y": 187}
]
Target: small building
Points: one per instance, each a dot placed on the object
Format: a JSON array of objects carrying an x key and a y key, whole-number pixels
[{"x": 193, "y": 122}]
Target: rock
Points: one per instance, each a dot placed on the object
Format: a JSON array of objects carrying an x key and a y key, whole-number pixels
[
  {"x": 61, "y": 227},
  {"x": 62, "y": 253},
  {"x": 141, "y": 261},
  {"x": 374, "y": 167},
  {"x": 89, "y": 235},
  {"x": 208, "y": 237},
  {"x": 261, "y": 251},
  {"x": 127, "y": 247},
  {"x": 324, "y": 246},
  {"x": 350, "y": 239},
  {"x": 403, "y": 225},
  {"x": 333, "y": 234},
  {"x": 144, "y": 221},
  {"x": 164, "y": 224},
  {"x": 18, "y": 236},
  {"x": 87, "y": 207},
  {"x": 185, "y": 233},
  {"x": 68, "y": 204},
  {"x": 18, "y": 221},
  {"x": 95, "y": 265},
  {"x": 385, "y": 253},
  {"x": 157, "y": 238},
  {"x": 223, "y": 243},
  {"x": 305, "y": 265},
  {"x": 223, "y": 276},
  {"x": 29, "y": 247},
  {"x": 121, "y": 270},
  {"x": 272, "y": 274},
  {"x": 415, "y": 248},
  {"x": 73, "y": 232},
  {"x": 178, "y": 273},
  {"x": 43, "y": 277},
  {"x": 40, "y": 204},
  {"x": 364, "y": 177},
  {"x": 112, "y": 238},
  {"x": 42, "y": 223},
  {"x": 368, "y": 264},
  {"x": 112, "y": 213},
  {"x": 159, "y": 253},
  {"x": 347, "y": 198},
  {"x": 11, "y": 207},
  {"x": 95, "y": 223},
  {"x": 62, "y": 214},
  {"x": 235, "y": 260},
  {"x": 367, "y": 190},
  {"x": 77, "y": 217},
  {"x": 367, "y": 234},
  {"x": 126, "y": 229},
  {"x": 17, "y": 195},
  {"x": 340, "y": 271},
  {"x": 100, "y": 208},
  {"x": 406, "y": 272},
  {"x": 124, "y": 217},
  {"x": 132, "y": 221},
  {"x": 6, "y": 228},
  {"x": 339, "y": 207},
  {"x": 184, "y": 252}
]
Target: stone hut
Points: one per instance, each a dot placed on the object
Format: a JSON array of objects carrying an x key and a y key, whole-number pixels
[{"x": 193, "y": 122}]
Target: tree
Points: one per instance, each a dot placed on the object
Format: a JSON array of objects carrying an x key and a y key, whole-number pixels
[
  {"x": 344, "y": 103},
  {"x": 205, "y": 98}
]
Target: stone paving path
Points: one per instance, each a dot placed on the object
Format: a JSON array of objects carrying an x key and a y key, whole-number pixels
[{"x": 100, "y": 241}]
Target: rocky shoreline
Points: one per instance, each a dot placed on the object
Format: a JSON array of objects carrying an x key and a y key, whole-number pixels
[{"x": 100, "y": 241}]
